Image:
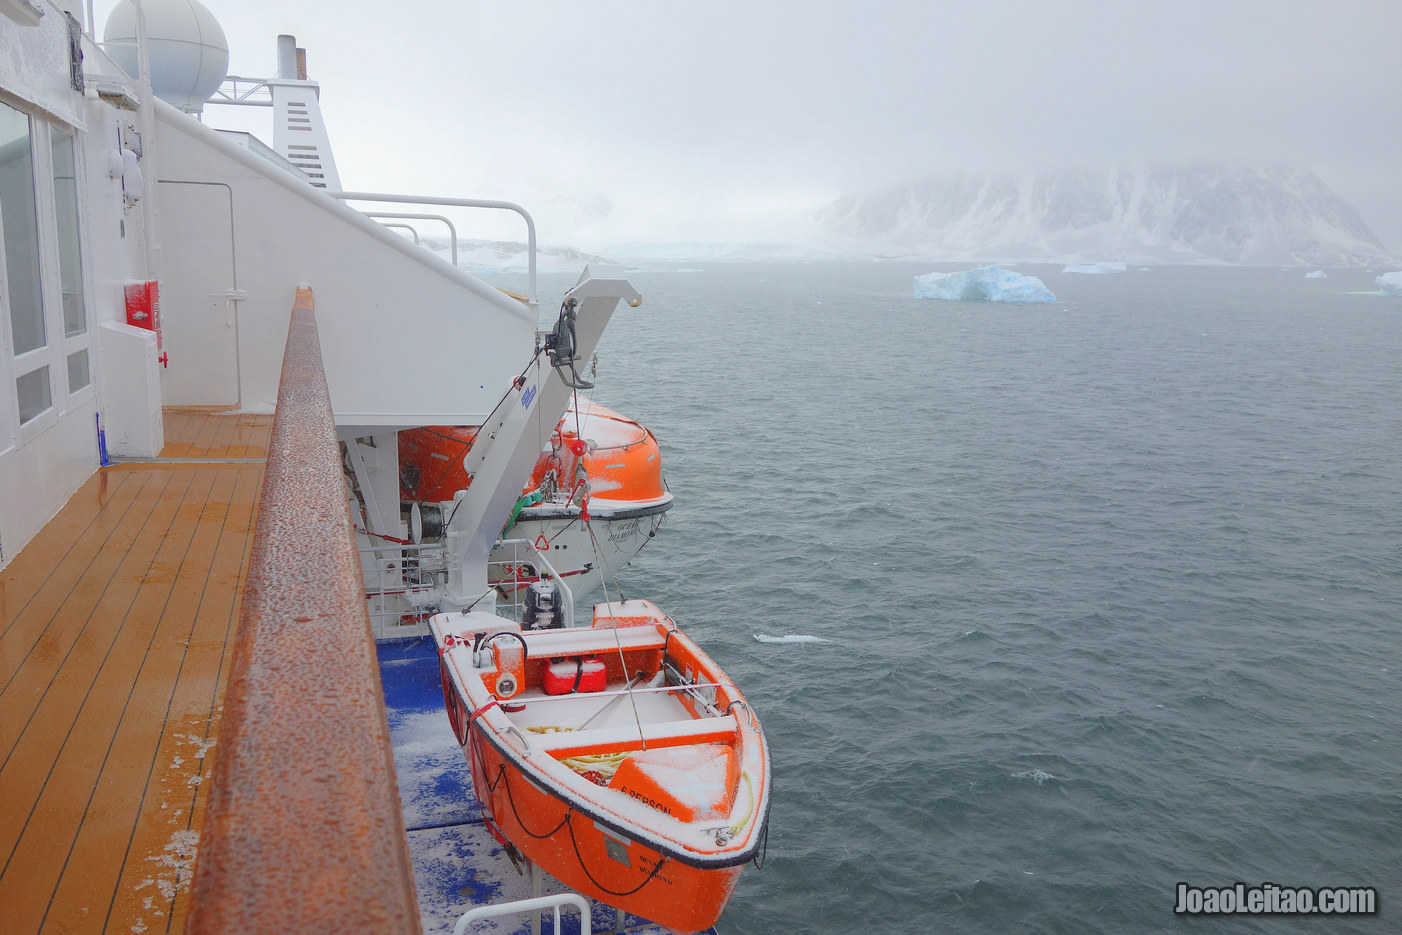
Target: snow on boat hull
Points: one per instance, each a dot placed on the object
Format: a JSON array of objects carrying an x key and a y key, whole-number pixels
[{"x": 649, "y": 793}]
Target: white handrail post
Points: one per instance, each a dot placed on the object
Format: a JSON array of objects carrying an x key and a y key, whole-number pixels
[
  {"x": 408, "y": 227},
  {"x": 586, "y": 925},
  {"x": 452, "y": 230},
  {"x": 463, "y": 203}
]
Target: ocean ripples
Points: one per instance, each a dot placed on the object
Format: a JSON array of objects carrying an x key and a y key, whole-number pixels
[{"x": 1108, "y": 590}]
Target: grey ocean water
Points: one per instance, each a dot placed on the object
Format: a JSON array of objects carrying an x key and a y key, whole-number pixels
[{"x": 1109, "y": 589}]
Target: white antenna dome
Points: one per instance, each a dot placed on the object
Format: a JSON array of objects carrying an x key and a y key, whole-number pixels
[{"x": 189, "y": 54}]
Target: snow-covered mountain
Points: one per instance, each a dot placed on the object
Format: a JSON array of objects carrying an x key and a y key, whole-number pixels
[{"x": 1136, "y": 214}]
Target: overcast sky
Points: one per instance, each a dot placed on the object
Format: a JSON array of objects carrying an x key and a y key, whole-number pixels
[{"x": 654, "y": 120}]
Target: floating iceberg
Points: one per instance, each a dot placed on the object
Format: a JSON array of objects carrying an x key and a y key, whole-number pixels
[
  {"x": 1390, "y": 283},
  {"x": 1094, "y": 268},
  {"x": 985, "y": 284},
  {"x": 1317, "y": 274}
]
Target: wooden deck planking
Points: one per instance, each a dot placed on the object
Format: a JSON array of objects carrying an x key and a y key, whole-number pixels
[
  {"x": 251, "y": 439},
  {"x": 54, "y": 631},
  {"x": 172, "y": 803},
  {"x": 77, "y": 534},
  {"x": 129, "y": 759},
  {"x": 114, "y": 653},
  {"x": 216, "y": 434},
  {"x": 207, "y": 438},
  {"x": 181, "y": 427},
  {"x": 73, "y": 728},
  {"x": 28, "y": 571}
]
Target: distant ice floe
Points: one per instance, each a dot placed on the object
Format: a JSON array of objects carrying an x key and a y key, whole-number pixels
[
  {"x": 1390, "y": 283},
  {"x": 985, "y": 284},
  {"x": 790, "y": 638},
  {"x": 1317, "y": 274},
  {"x": 1095, "y": 268}
]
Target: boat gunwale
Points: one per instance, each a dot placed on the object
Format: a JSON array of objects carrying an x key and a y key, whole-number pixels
[
  {"x": 598, "y": 509},
  {"x": 746, "y": 731},
  {"x": 667, "y": 847}
]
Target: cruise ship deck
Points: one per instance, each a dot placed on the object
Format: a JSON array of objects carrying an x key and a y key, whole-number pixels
[
  {"x": 114, "y": 654},
  {"x": 119, "y": 622}
]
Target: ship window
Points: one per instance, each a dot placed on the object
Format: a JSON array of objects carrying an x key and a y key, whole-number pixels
[
  {"x": 20, "y": 232},
  {"x": 33, "y": 392},
  {"x": 79, "y": 374},
  {"x": 42, "y": 294},
  {"x": 70, "y": 254}
]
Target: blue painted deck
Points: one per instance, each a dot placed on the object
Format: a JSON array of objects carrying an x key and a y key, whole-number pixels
[{"x": 457, "y": 863}]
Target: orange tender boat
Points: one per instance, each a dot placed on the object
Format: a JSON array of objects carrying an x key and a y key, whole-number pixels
[{"x": 616, "y": 757}]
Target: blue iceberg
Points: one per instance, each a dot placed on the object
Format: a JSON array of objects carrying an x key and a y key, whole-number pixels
[
  {"x": 985, "y": 284},
  {"x": 1317, "y": 274},
  {"x": 1390, "y": 283},
  {"x": 1094, "y": 268}
]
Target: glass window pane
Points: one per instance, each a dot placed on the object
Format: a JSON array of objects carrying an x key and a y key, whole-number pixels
[
  {"x": 33, "y": 392},
  {"x": 78, "y": 376},
  {"x": 21, "y": 233},
  {"x": 70, "y": 254}
]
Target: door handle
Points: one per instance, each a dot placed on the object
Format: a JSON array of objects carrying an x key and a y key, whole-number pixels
[{"x": 233, "y": 295}]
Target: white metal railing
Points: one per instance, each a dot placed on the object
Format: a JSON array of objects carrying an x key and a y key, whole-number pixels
[
  {"x": 452, "y": 231},
  {"x": 586, "y": 925},
  {"x": 383, "y": 198},
  {"x": 394, "y": 573},
  {"x": 250, "y": 92},
  {"x": 413, "y": 231},
  {"x": 403, "y": 581}
]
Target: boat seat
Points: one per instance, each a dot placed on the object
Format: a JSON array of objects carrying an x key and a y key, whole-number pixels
[
  {"x": 626, "y": 738},
  {"x": 587, "y": 641}
]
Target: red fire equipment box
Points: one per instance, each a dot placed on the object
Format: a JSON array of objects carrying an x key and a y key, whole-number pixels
[{"x": 144, "y": 306}]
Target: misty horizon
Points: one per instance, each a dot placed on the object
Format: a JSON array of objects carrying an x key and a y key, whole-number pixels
[{"x": 627, "y": 120}]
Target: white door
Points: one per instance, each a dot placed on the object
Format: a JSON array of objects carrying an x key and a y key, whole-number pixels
[{"x": 199, "y": 295}]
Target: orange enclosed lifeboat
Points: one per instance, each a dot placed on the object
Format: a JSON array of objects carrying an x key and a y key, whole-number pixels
[
  {"x": 619, "y": 456},
  {"x": 594, "y": 498}
]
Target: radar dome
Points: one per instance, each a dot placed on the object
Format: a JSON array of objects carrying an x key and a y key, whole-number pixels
[{"x": 189, "y": 54}]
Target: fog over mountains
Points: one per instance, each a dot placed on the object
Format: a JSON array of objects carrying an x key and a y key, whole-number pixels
[{"x": 1135, "y": 214}]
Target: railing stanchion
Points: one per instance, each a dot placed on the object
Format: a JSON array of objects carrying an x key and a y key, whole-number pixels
[{"x": 384, "y": 198}]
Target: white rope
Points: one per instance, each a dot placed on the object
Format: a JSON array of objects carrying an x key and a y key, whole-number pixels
[{"x": 623, "y": 662}]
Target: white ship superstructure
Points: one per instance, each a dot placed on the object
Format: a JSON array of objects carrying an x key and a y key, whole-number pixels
[{"x": 207, "y": 357}]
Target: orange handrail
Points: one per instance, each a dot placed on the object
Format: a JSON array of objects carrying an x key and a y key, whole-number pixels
[{"x": 304, "y": 831}]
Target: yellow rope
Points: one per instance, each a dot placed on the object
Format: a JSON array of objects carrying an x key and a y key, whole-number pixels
[
  {"x": 749, "y": 787},
  {"x": 603, "y": 764}
]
